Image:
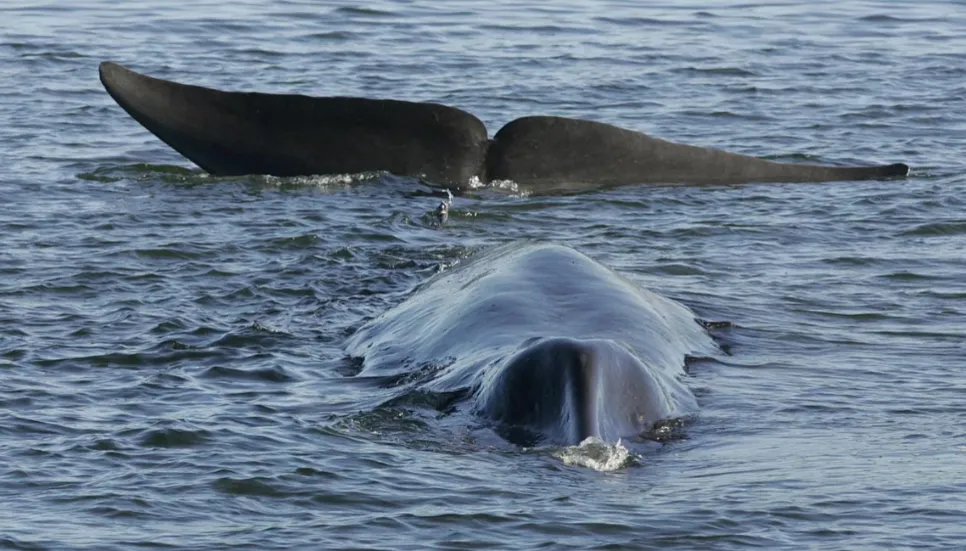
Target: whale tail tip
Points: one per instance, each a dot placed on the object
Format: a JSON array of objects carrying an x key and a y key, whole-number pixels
[
  {"x": 897, "y": 169},
  {"x": 108, "y": 69}
]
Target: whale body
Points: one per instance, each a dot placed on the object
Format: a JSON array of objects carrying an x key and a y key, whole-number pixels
[
  {"x": 236, "y": 133},
  {"x": 551, "y": 346}
]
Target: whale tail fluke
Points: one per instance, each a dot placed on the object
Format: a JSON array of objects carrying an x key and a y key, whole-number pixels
[{"x": 235, "y": 133}]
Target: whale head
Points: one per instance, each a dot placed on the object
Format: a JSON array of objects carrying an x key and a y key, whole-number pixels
[{"x": 563, "y": 390}]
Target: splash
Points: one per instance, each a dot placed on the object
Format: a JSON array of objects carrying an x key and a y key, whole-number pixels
[
  {"x": 475, "y": 183},
  {"x": 442, "y": 211},
  {"x": 508, "y": 185},
  {"x": 597, "y": 455}
]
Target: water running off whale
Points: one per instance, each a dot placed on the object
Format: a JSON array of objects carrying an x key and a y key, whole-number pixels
[
  {"x": 234, "y": 133},
  {"x": 553, "y": 346}
]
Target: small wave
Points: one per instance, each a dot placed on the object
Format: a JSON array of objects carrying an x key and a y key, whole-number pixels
[
  {"x": 854, "y": 316},
  {"x": 167, "y": 253},
  {"x": 905, "y": 275},
  {"x": 275, "y": 374},
  {"x": 885, "y": 18},
  {"x": 61, "y": 55},
  {"x": 723, "y": 115},
  {"x": 415, "y": 374},
  {"x": 595, "y": 454},
  {"x": 444, "y": 402},
  {"x": 142, "y": 171},
  {"x": 723, "y": 71},
  {"x": 406, "y": 427},
  {"x": 679, "y": 269},
  {"x": 944, "y": 294},
  {"x": 15, "y": 402},
  {"x": 851, "y": 260},
  {"x": 729, "y": 115},
  {"x": 644, "y": 21},
  {"x": 115, "y": 512},
  {"x": 368, "y": 12},
  {"x": 516, "y": 27},
  {"x": 104, "y": 445},
  {"x": 254, "y": 335},
  {"x": 295, "y": 242},
  {"x": 879, "y": 17},
  {"x": 261, "y": 52},
  {"x": 53, "y": 288},
  {"x": 247, "y": 487},
  {"x": 332, "y": 35},
  {"x": 173, "y": 438},
  {"x": 691, "y": 362},
  {"x": 937, "y": 228}
]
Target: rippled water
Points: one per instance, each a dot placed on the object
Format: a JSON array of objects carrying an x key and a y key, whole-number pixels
[{"x": 171, "y": 344}]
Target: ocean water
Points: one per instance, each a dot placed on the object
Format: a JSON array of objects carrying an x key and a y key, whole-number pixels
[{"x": 172, "y": 344}]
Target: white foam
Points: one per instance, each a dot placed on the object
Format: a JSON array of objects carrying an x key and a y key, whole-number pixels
[
  {"x": 595, "y": 454},
  {"x": 508, "y": 185},
  {"x": 322, "y": 181},
  {"x": 475, "y": 183}
]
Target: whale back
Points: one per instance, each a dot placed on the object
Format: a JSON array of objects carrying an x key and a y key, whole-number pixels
[{"x": 465, "y": 324}]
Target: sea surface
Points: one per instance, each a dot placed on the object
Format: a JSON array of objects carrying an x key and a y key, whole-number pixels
[{"x": 172, "y": 362}]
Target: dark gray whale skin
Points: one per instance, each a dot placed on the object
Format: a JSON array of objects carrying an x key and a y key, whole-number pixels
[
  {"x": 566, "y": 390},
  {"x": 557, "y": 152},
  {"x": 237, "y": 133}
]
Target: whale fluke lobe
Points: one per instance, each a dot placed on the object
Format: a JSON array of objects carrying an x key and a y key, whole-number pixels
[
  {"x": 236, "y": 133},
  {"x": 547, "y": 151}
]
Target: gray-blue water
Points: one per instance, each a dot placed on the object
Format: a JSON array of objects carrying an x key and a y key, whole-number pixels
[{"x": 171, "y": 345}]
